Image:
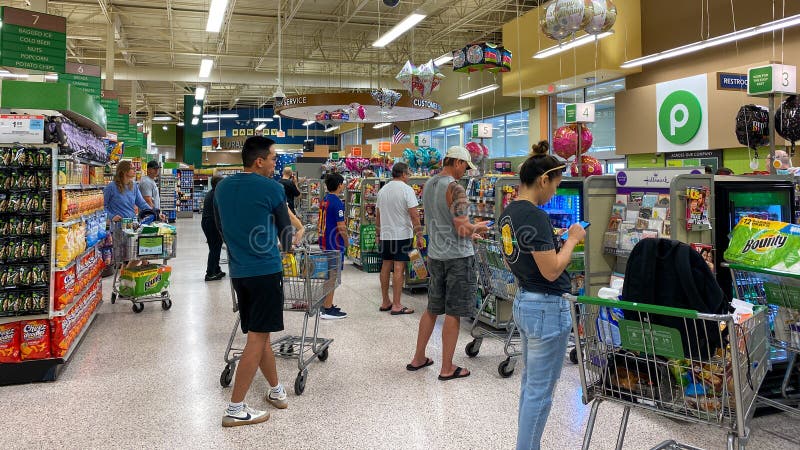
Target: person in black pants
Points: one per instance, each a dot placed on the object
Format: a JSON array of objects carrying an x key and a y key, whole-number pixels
[
  {"x": 213, "y": 236},
  {"x": 288, "y": 181}
]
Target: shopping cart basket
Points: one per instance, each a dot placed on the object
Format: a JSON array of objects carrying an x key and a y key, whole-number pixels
[
  {"x": 128, "y": 247},
  {"x": 781, "y": 293},
  {"x": 494, "y": 318},
  {"x": 626, "y": 356},
  {"x": 306, "y": 283}
]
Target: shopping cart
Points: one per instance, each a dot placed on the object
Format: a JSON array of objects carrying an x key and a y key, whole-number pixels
[
  {"x": 630, "y": 356},
  {"x": 306, "y": 283},
  {"x": 781, "y": 293},
  {"x": 143, "y": 247},
  {"x": 494, "y": 318}
]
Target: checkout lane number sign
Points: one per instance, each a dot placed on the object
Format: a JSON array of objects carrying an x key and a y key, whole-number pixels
[{"x": 682, "y": 114}]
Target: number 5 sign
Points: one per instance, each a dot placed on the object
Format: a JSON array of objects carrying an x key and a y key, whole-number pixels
[{"x": 579, "y": 113}]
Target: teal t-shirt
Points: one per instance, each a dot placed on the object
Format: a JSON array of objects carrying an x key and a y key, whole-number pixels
[{"x": 252, "y": 212}]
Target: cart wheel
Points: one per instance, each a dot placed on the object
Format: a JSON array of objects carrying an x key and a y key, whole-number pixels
[
  {"x": 165, "y": 294},
  {"x": 137, "y": 307},
  {"x": 473, "y": 348},
  {"x": 166, "y": 304},
  {"x": 300, "y": 382},
  {"x": 324, "y": 355},
  {"x": 227, "y": 375},
  {"x": 573, "y": 356},
  {"x": 113, "y": 298},
  {"x": 505, "y": 369},
  {"x": 282, "y": 349}
]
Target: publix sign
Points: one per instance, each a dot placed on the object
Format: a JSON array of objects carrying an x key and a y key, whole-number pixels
[{"x": 682, "y": 114}]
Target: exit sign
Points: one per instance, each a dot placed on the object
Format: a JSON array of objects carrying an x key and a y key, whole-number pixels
[{"x": 579, "y": 113}]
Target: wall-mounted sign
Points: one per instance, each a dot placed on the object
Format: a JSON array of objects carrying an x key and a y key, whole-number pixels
[
  {"x": 682, "y": 114},
  {"x": 273, "y": 132},
  {"x": 291, "y": 101},
  {"x": 650, "y": 178},
  {"x": 579, "y": 113},
  {"x": 251, "y": 131},
  {"x": 711, "y": 158},
  {"x": 235, "y": 132},
  {"x": 242, "y": 132},
  {"x": 422, "y": 103},
  {"x": 33, "y": 40},
  {"x": 731, "y": 81},
  {"x": 772, "y": 79},
  {"x": 481, "y": 130}
]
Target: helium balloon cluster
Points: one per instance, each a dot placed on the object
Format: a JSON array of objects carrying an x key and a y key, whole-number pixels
[
  {"x": 752, "y": 126},
  {"x": 482, "y": 56},
  {"x": 356, "y": 164},
  {"x": 565, "y": 140},
  {"x": 380, "y": 163},
  {"x": 332, "y": 166},
  {"x": 386, "y": 98},
  {"x": 588, "y": 166},
  {"x": 420, "y": 80},
  {"x": 565, "y": 17},
  {"x": 787, "y": 120},
  {"x": 357, "y": 110},
  {"x": 477, "y": 151},
  {"x": 327, "y": 118},
  {"x": 422, "y": 158}
]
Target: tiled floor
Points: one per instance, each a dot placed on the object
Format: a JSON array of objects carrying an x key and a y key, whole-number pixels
[{"x": 151, "y": 380}]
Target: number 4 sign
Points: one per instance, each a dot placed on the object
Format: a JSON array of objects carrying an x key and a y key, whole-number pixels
[{"x": 579, "y": 113}]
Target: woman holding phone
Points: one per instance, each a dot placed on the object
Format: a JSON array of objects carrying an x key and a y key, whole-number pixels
[{"x": 538, "y": 258}]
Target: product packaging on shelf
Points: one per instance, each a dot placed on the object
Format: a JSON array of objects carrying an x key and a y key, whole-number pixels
[
  {"x": 65, "y": 329},
  {"x": 9, "y": 342},
  {"x": 24, "y": 276},
  {"x": 73, "y": 204},
  {"x": 144, "y": 280},
  {"x": 23, "y": 302},
  {"x": 35, "y": 342},
  {"x": 64, "y": 287}
]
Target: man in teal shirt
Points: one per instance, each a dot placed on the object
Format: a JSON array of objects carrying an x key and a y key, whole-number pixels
[{"x": 252, "y": 214}]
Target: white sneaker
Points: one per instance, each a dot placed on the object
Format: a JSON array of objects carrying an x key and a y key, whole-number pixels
[
  {"x": 277, "y": 397},
  {"x": 247, "y": 416}
]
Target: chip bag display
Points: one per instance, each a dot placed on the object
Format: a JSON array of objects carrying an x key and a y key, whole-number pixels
[
  {"x": 765, "y": 244},
  {"x": 9, "y": 342},
  {"x": 35, "y": 343}
]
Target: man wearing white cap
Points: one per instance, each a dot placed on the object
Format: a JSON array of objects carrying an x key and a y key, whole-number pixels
[{"x": 451, "y": 261}]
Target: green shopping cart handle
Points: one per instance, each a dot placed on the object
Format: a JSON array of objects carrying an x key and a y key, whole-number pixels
[
  {"x": 775, "y": 273},
  {"x": 640, "y": 307}
]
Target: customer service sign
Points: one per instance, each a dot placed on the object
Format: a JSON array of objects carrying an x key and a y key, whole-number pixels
[{"x": 682, "y": 114}]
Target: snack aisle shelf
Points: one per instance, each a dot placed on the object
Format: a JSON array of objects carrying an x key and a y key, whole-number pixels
[
  {"x": 185, "y": 193},
  {"x": 363, "y": 249},
  {"x": 353, "y": 219},
  {"x": 168, "y": 191}
]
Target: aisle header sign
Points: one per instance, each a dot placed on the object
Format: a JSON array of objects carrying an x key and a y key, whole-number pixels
[
  {"x": 83, "y": 76},
  {"x": 579, "y": 113},
  {"x": 682, "y": 114},
  {"x": 481, "y": 130},
  {"x": 772, "y": 79},
  {"x": 33, "y": 40}
]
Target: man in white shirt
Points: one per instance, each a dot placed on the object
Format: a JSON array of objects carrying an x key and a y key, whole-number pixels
[{"x": 397, "y": 225}]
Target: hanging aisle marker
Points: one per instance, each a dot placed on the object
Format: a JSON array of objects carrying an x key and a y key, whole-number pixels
[{"x": 579, "y": 113}]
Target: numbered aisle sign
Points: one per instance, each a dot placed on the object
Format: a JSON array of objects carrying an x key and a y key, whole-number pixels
[
  {"x": 422, "y": 140},
  {"x": 771, "y": 79},
  {"x": 481, "y": 130},
  {"x": 21, "y": 128},
  {"x": 579, "y": 113}
]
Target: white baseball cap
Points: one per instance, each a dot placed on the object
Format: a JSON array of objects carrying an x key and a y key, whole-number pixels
[{"x": 458, "y": 152}]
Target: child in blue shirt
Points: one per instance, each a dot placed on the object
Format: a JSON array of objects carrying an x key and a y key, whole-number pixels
[{"x": 334, "y": 233}]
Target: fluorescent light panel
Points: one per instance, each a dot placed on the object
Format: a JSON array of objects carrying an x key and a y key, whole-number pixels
[
  {"x": 180, "y": 124},
  {"x": 444, "y": 59},
  {"x": 262, "y": 119},
  {"x": 216, "y": 13},
  {"x": 715, "y": 41},
  {"x": 220, "y": 116},
  {"x": 162, "y": 118},
  {"x": 13, "y": 75},
  {"x": 601, "y": 99},
  {"x": 329, "y": 129},
  {"x": 195, "y": 120},
  {"x": 448, "y": 114},
  {"x": 205, "y": 67},
  {"x": 381, "y": 125},
  {"x": 308, "y": 123},
  {"x": 396, "y": 31},
  {"x": 577, "y": 42},
  {"x": 200, "y": 93},
  {"x": 209, "y": 120},
  {"x": 196, "y": 110},
  {"x": 479, "y": 91},
  {"x": 261, "y": 126}
]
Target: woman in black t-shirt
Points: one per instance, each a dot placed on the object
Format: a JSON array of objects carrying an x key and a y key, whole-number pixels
[{"x": 538, "y": 258}]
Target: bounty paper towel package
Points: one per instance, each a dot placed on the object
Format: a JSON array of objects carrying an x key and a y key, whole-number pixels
[{"x": 765, "y": 244}]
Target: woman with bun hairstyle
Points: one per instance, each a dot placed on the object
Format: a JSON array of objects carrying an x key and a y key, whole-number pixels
[{"x": 538, "y": 258}]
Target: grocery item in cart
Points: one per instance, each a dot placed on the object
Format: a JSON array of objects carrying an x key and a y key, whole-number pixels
[
  {"x": 418, "y": 264},
  {"x": 9, "y": 343},
  {"x": 35, "y": 343},
  {"x": 144, "y": 280},
  {"x": 765, "y": 244}
]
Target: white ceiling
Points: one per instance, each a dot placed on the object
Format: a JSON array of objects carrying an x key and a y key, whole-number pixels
[{"x": 326, "y": 44}]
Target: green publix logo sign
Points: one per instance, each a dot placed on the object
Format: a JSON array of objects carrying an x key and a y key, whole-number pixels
[{"x": 679, "y": 117}]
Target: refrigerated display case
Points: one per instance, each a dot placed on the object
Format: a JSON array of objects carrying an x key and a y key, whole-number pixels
[{"x": 566, "y": 207}]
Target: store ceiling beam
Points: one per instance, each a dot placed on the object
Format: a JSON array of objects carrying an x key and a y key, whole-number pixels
[{"x": 294, "y": 7}]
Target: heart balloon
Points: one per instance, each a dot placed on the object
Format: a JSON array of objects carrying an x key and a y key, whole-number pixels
[
  {"x": 752, "y": 126},
  {"x": 787, "y": 120},
  {"x": 570, "y": 14},
  {"x": 588, "y": 166},
  {"x": 565, "y": 140},
  {"x": 600, "y": 16}
]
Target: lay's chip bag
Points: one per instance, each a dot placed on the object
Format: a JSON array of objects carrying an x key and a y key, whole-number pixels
[{"x": 765, "y": 244}]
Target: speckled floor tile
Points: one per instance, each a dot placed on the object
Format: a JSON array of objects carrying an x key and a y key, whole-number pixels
[{"x": 151, "y": 380}]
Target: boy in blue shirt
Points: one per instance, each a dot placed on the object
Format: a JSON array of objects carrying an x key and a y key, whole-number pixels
[
  {"x": 250, "y": 209},
  {"x": 334, "y": 234}
]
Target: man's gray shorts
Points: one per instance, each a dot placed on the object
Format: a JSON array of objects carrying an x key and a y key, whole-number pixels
[{"x": 452, "y": 286}]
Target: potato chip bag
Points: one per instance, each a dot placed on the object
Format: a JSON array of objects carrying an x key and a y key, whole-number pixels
[
  {"x": 35, "y": 343},
  {"x": 9, "y": 342},
  {"x": 765, "y": 244}
]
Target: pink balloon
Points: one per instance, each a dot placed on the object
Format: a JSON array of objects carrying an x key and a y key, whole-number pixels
[
  {"x": 475, "y": 150},
  {"x": 588, "y": 166},
  {"x": 565, "y": 140},
  {"x": 362, "y": 112}
]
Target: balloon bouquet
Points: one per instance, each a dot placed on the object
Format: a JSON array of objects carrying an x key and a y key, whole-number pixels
[
  {"x": 478, "y": 151},
  {"x": 482, "y": 56},
  {"x": 565, "y": 145},
  {"x": 420, "y": 81},
  {"x": 787, "y": 120},
  {"x": 565, "y": 17},
  {"x": 752, "y": 129},
  {"x": 423, "y": 159}
]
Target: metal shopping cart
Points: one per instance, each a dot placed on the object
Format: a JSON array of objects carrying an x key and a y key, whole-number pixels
[
  {"x": 781, "y": 293},
  {"x": 629, "y": 356},
  {"x": 130, "y": 247},
  {"x": 493, "y": 317},
  {"x": 306, "y": 282}
]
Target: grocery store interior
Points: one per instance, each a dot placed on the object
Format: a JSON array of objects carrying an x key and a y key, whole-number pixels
[{"x": 675, "y": 124}]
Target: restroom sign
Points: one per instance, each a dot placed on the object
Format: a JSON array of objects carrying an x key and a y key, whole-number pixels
[{"x": 682, "y": 114}]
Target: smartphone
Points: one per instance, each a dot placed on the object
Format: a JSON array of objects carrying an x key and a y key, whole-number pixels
[
  {"x": 582, "y": 223},
  {"x": 489, "y": 224}
]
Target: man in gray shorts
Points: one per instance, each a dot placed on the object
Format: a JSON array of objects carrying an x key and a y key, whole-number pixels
[{"x": 451, "y": 261}]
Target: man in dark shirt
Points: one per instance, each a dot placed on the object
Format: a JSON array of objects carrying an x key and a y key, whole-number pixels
[
  {"x": 213, "y": 237},
  {"x": 288, "y": 182}
]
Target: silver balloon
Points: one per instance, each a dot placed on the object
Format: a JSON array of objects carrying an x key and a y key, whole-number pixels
[
  {"x": 601, "y": 15},
  {"x": 570, "y": 14},
  {"x": 550, "y": 26}
]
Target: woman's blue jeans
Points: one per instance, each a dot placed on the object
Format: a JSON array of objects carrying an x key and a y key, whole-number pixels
[{"x": 544, "y": 323}]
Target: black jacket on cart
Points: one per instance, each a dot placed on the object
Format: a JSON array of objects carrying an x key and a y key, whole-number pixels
[{"x": 670, "y": 273}]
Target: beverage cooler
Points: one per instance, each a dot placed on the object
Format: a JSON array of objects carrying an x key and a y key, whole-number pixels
[
  {"x": 566, "y": 207},
  {"x": 768, "y": 198}
]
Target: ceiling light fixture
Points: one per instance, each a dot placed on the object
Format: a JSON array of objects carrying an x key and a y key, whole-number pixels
[
  {"x": 162, "y": 118},
  {"x": 444, "y": 59},
  {"x": 139, "y": 124},
  {"x": 205, "y": 67},
  {"x": 196, "y": 110},
  {"x": 601, "y": 99},
  {"x": 261, "y": 126},
  {"x": 448, "y": 114},
  {"x": 51, "y": 76},
  {"x": 200, "y": 93},
  {"x": 715, "y": 41},
  {"x": 479, "y": 91},
  {"x": 262, "y": 119},
  {"x": 210, "y": 120},
  {"x": 329, "y": 129},
  {"x": 276, "y": 116},
  {"x": 381, "y": 125},
  {"x": 577, "y": 42},
  {"x": 216, "y": 13},
  {"x": 220, "y": 116},
  {"x": 165, "y": 128},
  {"x": 13, "y": 75},
  {"x": 195, "y": 120},
  {"x": 308, "y": 123},
  {"x": 396, "y": 31},
  {"x": 180, "y": 124}
]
